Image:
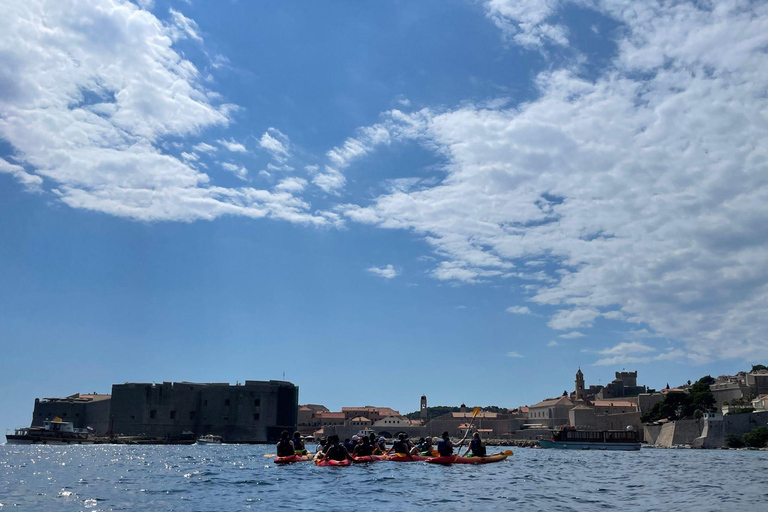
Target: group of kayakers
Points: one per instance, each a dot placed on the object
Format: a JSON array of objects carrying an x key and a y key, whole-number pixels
[{"x": 363, "y": 446}]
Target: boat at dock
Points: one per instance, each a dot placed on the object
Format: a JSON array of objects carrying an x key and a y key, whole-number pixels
[
  {"x": 571, "y": 439},
  {"x": 52, "y": 432},
  {"x": 209, "y": 439}
]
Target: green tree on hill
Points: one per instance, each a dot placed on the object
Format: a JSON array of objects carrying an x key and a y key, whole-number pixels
[
  {"x": 681, "y": 404},
  {"x": 757, "y": 438},
  {"x": 758, "y": 367}
]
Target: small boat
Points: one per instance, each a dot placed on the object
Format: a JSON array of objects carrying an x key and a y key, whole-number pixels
[
  {"x": 452, "y": 459},
  {"x": 292, "y": 458},
  {"x": 209, "y": 439},
  {"x": 331, "y": 462},
  {"x": 52, "y": 432},
  {"x": 571, "y": 439}
]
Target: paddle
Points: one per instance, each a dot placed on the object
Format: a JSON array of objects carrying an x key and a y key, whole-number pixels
[
  {"x": 475, "y": 412},
  {"x": 270, "y": 455}
]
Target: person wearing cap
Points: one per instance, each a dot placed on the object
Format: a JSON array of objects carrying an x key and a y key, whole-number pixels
[
  {"x": 298, "y": 443},
  {"x": 285, "y": 446},
  {"x": 445, "y": 446},
  {"x": 381, "y": 444},
  {"x": 476, "y": 446}
]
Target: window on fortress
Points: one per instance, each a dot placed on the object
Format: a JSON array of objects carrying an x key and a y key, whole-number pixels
[
  {"x": 226, "y": 418},
  {"x": 255, "y": 416},
  {"x": 205, "y": 403},
  {"x": 191, "y": 415},
  {"x": 257, "y": 402},
  {"x": 226, "y": 402},
  {"x": 173, "y": 415},
  {"x": 152, "y": 414}
]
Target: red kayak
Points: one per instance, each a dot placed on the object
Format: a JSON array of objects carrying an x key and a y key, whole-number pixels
[
  {"x": 401, "y": 457},
  {"x": 497, "y": 457},
  {"x": 292, "y": 458},
  {"x": 370, "y": 458},
  {"x": 331, "y": 462}
]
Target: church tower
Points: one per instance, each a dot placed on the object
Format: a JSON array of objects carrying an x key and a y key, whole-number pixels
[
  {"x": 579, "y": 385},
  {"x": 423, "y": 412}
]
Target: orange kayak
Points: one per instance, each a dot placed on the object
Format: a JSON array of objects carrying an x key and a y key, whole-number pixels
[
  {"x": 330, "y": 462},
  {"x": 497, "y": 457},
  {"x": 369, "y": 458},
  {"x": 292, "y": 458},
  {"x": 401, "y": 457}
]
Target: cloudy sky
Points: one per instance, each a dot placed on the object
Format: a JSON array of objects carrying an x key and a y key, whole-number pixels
[{"x": 468, "y": 199}]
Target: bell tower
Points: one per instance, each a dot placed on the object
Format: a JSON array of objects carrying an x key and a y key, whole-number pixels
[
  {"x": 579, "y": 385},
  {"x": 423, "y": 411}
]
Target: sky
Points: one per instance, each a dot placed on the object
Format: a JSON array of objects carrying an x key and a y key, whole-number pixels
[{"x": 379, "y": 200}]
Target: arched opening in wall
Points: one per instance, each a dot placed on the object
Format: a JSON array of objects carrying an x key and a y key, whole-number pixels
[
  {"x": 386, "y": 434},
  {"x": 401, "y": 432}
]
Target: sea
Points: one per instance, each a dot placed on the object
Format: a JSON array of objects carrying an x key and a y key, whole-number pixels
[{"x": 240, "y": 477}]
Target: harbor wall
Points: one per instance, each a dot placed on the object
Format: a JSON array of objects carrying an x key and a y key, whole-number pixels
[{"x": 82, "y": 410}]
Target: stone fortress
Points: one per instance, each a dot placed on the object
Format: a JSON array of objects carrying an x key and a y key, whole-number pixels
[{"x": 253, "y": 412}]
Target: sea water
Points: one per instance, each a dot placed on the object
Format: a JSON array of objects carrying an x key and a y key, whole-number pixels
[{"x": 239, "y": 477}]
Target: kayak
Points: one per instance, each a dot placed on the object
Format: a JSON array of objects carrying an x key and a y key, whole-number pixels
[
  {"x": 401, "y": 457},
  {"x": 331, "y": 462},
  {"x": 370, "y": 458},
  {"x": 292, "y": 458},
  {"x": 497, "y": 457}
]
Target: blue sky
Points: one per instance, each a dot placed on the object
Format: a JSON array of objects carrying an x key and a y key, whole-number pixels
[{"x": 465, "y": 199}]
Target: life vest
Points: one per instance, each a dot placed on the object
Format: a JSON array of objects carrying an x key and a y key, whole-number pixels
[
  {"x": 336, "y": 452},
  {"x": 444, "y": 448},
  {"x": 284, "y": 448}
]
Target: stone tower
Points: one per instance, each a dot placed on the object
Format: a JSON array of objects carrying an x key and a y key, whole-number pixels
[
  {"x": 579, "y": 385},
  {"x": 423, "y": 412}
]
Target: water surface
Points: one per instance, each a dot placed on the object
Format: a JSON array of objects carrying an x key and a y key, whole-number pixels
[{"x": 239, "y": 477}]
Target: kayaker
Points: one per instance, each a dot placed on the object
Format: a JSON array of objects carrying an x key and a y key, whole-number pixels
[
  {"x": 381, "y": 443},
  {"x": 285, "y": 446},
  {"x": 349, "y": 445},
  {"x": 401, "y": 446},
  {"x": 298, "y": 443},
  {"x": 423, "y": 448},
  {"x": 372, "y": 440},
  {"x": 363, "y": 448},
  {"x": 335, "y": 450},
  {"x": 445, "y": 446},
  {"x": 476, "y": 446},
  {"x": 321, "y": 445}
]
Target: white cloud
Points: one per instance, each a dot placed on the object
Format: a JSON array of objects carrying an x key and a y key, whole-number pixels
[
  {"x": 183, "y": 27},
  {"x": 513, "y": 354},
  {"x": 626, "y": 353},
  {"x": 519, "y": 310},
  {"x": 387, "y": 272},
  {"x": 644, "y": 187},
  {"x": 571, "y": 335},
  {"x": 232, "y": 145},
  {"x": 292, "y": 185},
  {"x": 553, "y": 343},
  {"x": 627, "y": 348},
  {"x": 238, "y": 170},
  {"x": 89, "y": 93},
  {"x": 30, "y": 181},
  {"x": 203, "y": 147},
  {"x": 396, "y": 126},
  {"x": 528, "y": 22},
  {"x": 276, "y": 143}
]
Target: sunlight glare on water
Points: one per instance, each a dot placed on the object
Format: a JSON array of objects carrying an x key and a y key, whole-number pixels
[{"x": 239, "y": 477}]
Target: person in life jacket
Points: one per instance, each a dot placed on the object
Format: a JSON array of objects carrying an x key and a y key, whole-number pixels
[
  {"x": 445, "y": 446},
  {"x": 374, "y": 444},
  {"x": 335, "y": 450},
  {"x": 476, "y": 446},
  {"x": 285, "y": 446},
  {"x": 363, "y": 448},
  {"x": 298, "y": 443},
  {"x": 423, "y": 448},
  {"x": 401, "y": 446},
  {"x": 349, "y": 445}
]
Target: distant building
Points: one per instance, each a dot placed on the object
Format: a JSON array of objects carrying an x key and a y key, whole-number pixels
[
  {"x": 309, "y": 418},
  {"x": 551, "y": 413},
  {"x": 254, "y": 412},
  {"x": 83, "y": 410}
]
